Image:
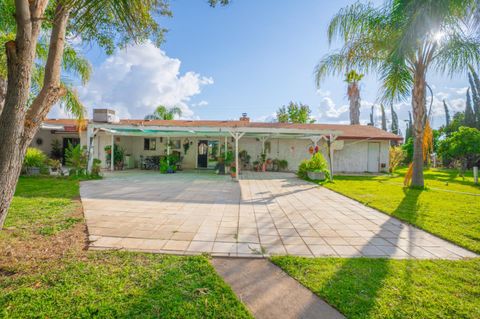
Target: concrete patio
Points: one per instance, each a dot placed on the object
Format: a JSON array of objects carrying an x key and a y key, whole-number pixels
[{"x": 263, "y": 214}]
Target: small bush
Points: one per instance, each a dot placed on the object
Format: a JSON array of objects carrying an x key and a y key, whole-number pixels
[
  {"x": 96, "y": 167},
  {"x": 396, "y": 155},
  {"x": 76, "y": 158},
  {"x": 34, "y": 158}
]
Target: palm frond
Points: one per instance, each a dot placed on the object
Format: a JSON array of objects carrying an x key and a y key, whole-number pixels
[
  {"x": 71, "y": 103},
  {"x": 77, "y": 64},
  {"x": 456, "y": 53},
  {"x": 397, "y": 81}
]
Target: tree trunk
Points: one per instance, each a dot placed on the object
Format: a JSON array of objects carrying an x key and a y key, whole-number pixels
[
  {"x": 3, "y": 92},
  {"x": 17, "y": 124},
  {"x": 354, "y": 99},
  {"x": 419, "y": 120}
]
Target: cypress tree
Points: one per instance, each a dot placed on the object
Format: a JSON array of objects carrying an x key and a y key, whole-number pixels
[
  {"x": 394, "y": 120},
  {"x": 475, "y": 87},
  {"x": 447, "y": 113},
  {"x": 384, "y": 118},
  {"x": 469, "y": 120},
  {"x": 371, "y": 118}
]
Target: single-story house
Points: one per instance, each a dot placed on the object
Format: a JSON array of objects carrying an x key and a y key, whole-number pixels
[{"x": 348, "y": 148}]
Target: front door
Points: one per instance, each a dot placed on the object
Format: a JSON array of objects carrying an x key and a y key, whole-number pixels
[
  {"x": 373, "y": 164},
  {"x": 202, "y": 158},
  {"x": 69, "y": 140}
]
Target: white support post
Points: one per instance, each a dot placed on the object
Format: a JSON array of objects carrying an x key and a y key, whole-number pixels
[
  {"x": 168, "y": 150},
  {"x": 226, "y": 146},
  {"x": 475, "y": 174},
  {"x": 237, "y": 137},
  {"x": 196, "y": 152},
  {"x": 330, "y": 150},
  {"x": 89, "y": 148},
  {"x": 112, "y": 157},
  {"x": 237, "y": 169}
]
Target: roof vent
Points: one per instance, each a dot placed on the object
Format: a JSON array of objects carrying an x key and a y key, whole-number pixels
[{"x": 245, "y": 118}]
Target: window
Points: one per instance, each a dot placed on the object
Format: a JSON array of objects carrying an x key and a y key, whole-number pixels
[{"x": 149, "y": 144}]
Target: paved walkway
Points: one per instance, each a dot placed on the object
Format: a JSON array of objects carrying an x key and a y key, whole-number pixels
[
  {"x": 264, "y": 214},
  {"x": 269, "y": 292}
]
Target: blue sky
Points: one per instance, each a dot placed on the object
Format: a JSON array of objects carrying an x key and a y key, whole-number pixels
[{"x": 251, "y": 56}]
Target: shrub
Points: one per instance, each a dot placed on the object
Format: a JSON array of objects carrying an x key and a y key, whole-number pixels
[
  {"x": 34, "y": 158},
  {"x": 396, "y": 155},
  {"x": 316, "y": 163},
  {"x": 57, "y": 151},
  {"x": 96, "y": 167},
  {"x": 76, "y": 157}
]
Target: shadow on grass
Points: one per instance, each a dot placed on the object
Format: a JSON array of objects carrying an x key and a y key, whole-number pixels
[{"x": 357, "y": 283}]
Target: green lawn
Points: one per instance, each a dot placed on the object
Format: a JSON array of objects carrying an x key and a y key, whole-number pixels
[
  {"x": 46, "y": 273},
  {"x": 381, "y": 288},
  {"x": 447, "y": 207}
]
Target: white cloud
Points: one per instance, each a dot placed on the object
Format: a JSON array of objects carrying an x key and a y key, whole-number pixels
[
  {"x": 266, "y": 118},
  {"x": 201, "y": 103},
  {"x": 134, "y": 81}
]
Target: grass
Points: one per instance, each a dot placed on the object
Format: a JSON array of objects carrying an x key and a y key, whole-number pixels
[
  {"x": 45, "y": 271},
  {"x": 447, "y": 207},
  {"x": 381, "y": 288}
]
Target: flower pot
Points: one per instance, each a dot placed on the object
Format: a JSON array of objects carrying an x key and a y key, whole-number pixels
[
  {"x": 316, "y": 176},
  {"x": 33, "y": 171}
]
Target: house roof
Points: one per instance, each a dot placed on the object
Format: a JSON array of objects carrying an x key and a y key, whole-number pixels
[{"x": 347, "y": 131}]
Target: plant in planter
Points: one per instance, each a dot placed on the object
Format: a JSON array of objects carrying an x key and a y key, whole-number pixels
[
  {"x": 316, "y": 168},
  {"x": 96, "y": 167},
  {"x": 282, "y": 165},
  {"x": 34, "y": 161},
  {"x": 168, "y": 164},
  {"x": 244, "y": 157},
  {"x": 117, "y": 156},
  {"x": 224, "y": 161},
  {"x": 263, "y": 161},
  {"x": 233, "y": 170}
]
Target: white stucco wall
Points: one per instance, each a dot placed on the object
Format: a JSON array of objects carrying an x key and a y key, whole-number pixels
[
  {"x": 48, "y": 136},
  {"x": 352, "y": 157}
]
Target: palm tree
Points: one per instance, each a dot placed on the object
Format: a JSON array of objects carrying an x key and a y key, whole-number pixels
[
  {"x": 353, "y": 93},
  {"x": 402, "y": 40},
  {"x": 162, "y": 113}
]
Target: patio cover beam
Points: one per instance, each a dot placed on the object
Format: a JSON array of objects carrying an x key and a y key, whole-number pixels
[{"x": 199, "y": 130}]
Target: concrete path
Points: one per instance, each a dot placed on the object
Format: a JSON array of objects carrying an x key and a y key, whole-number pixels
[
  {"x": 269, "y": 292},
  {"x": 264, "y": 214}
]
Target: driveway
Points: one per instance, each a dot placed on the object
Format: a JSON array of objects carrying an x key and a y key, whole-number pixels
[{"x": 263, "y": 214}]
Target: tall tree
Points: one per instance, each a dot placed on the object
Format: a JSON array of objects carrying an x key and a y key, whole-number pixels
[
  {"x": 475, "y": 87},
  {"x": 295, "y": 113},
  {"x": 384, "y": 117},
  {"x": 469, "y": 119},
  {"x": 402, "y": 40},
  {"x": 372, "y": 121},
  {"x": 409, "y": 129},
  {"x": 447, "y": 113},
  {"x": 109, "y": 23},
  {"x": 163, "y": 113},
  {"x": 394, "y": 126}
]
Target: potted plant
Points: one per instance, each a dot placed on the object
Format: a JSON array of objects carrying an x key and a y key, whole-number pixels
[
  {"x": 117, "y": 156},
  {"x": 34, "y": 161},
  {"x": 282, "y": 165},
  {"x": 233, "y": 170},
  {"x": 316, "y": 167},
  {"x": 263, "y": 162}
]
